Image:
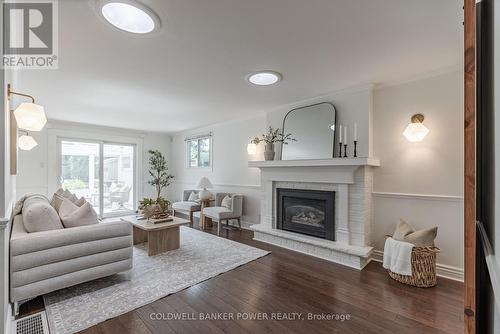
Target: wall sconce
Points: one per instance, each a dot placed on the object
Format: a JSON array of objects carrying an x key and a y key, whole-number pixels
[
  {"x": 252, "y": 149},
  {"x": 29, "y": 116},
  {"x": 416, "y": 131},
  {"x": 26, "y": 142}
]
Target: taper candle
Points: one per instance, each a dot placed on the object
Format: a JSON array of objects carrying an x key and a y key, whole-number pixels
[
  {"x": 355, "y": 131},
  {"x": 340, "y": 133},
  {"x": 345, "y": 134}
]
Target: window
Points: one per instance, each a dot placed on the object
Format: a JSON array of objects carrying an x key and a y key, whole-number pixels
[
  {"x": 199, "y": 152},
  {"x": 102, "y": 173}
]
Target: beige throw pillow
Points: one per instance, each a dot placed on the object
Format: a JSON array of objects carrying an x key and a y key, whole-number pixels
[
  {"x": 420, "y": 238},
  {"x": 402, "y": 230},
  {"x": 74, "y": 216},
  {"x": 226, "y": 202},
  {"x": 59, "y": 196},
  {"x": 39, "y": 215},
  {"x": 79, "y": 202},
  {"x": 193, "y": 197}
]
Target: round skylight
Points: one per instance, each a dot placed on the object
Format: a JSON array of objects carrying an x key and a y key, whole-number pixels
[
  {"x": 130, "y": 16},
  {"x": 264, "y": 78}
]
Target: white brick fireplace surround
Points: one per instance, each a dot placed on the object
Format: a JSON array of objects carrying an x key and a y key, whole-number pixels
[{"x": 351, "y": 180}]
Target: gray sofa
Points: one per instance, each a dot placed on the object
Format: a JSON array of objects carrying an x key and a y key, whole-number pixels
[{"x": 43, "y": 262}]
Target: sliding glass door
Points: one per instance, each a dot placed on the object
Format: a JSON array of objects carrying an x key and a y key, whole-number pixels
[
  {"x": 118, "y": 178},
  {"x": 103, "y": 173}
]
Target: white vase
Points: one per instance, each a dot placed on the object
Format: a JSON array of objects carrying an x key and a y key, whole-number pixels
[{"x": 269, "y": 152}]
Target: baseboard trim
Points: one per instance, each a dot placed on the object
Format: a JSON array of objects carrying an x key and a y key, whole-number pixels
[
  {"x": 442, "y": 270},
  {"x": 447, "y": 198}
]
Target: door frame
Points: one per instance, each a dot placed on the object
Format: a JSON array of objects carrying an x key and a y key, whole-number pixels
[{"x": 469, "y": 166}]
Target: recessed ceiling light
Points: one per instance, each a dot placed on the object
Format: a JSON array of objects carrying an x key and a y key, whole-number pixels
[
  {"x": 130, "y": 16},
  {"x": 264, "y": 78}
]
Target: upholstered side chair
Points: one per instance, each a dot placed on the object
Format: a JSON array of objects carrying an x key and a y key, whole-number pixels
[
  {"x": 219, "y": 213},
  {"x": 186, "y": 206}
]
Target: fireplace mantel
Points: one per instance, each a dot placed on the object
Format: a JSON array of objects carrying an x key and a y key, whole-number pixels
[
  {"x": 337, "y": 170},
  {"x": 350, "y": 179},
  {"x": 353, "y": 162}
]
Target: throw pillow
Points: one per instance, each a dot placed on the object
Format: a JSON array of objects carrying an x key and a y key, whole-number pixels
[
  {"x": 423, "y": 237},
  {"x": 402, "y": 230},
  {"x": 74, "y": 216},
  {"x": 79, "y": 202},
  {"x": 59, "y": 196},
  {"x": 420, "y": 238},
  {"x": 193, "y": 197},
  {"x": 39, "y": 215},
  {"x": 226, "y": 202}
]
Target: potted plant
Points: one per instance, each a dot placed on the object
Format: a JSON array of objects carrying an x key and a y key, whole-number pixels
[
  {"x": 160, "y": 179},
  {"x": 270, "y": 138}
]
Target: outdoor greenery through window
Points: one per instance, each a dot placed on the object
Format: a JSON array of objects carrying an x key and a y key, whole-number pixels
[
  {"x": 101, "y": 173},
  {"x": 199, "y": 152}
]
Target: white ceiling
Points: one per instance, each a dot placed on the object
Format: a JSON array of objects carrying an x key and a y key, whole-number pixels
[{"x": 192, "y": 72}]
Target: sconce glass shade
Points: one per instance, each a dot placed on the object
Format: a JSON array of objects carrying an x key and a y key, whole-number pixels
[
  {"x": 415, "y": 132},
  {"x": 26, "y": 143},
  {"x": 252, "y": 149},
  {"x": 30, "y": 117}
]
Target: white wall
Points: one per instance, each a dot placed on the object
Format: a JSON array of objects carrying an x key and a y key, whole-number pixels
[
  {"x": 421, "y": 182},
  {"x": 35, "y": 165},
  {"x": 229, "y": 172},
  {"x": 353, "y": 105}
]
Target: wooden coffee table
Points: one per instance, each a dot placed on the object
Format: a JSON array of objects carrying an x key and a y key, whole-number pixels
[{"x": 160, "y": 237}]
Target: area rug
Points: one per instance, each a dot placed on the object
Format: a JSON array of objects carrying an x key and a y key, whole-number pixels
[{"x": 200, "y": 257}]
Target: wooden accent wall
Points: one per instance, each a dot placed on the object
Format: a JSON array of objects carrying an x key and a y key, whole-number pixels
[{"x": 470, "y": 165}]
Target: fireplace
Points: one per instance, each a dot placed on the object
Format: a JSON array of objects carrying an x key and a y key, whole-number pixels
[{"x": 309, "y": 212}]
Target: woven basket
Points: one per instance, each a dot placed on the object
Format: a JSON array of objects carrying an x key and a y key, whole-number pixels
[{"x": 423, "y": 268}]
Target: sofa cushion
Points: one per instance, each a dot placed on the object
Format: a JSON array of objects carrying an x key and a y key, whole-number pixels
[
  {"x": 39, "y": 215},
  {"x": 74, "y": 216},
  {"x": 186, "y": 206}
]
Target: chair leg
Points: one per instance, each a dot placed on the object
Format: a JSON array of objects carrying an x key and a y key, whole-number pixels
[
  {"x": 218, "y": 226},
  {"x": 190, "y": 218},
  {"x": 239, "y": 222}
]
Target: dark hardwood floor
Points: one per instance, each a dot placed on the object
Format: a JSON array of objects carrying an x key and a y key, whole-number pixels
[{"x": 284, "y": 283}]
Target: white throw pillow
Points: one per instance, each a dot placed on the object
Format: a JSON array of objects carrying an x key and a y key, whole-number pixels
[
  {"x": 226, "y": 202},
  {"x": 39, "y": 215},
  {"x": 74, "y": 216},
  {"x": 193, "y": 197}
]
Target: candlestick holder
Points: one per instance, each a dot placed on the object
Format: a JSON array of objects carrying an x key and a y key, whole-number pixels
[
  {"x": 355, "y": 148},
  {"x": 345, "y": 150},
  {"x": 340, "y": 150}
]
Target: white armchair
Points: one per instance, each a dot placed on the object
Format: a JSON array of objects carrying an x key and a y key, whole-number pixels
[
  {"x": 187, "y": 206},
  {"x": 219, "y": 213}
]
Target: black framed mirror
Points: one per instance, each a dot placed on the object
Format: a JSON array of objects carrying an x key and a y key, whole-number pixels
[{"x": 314, "y": 127}]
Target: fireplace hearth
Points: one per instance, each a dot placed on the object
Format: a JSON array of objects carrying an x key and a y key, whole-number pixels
[{"x": 309, "y": 212}]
